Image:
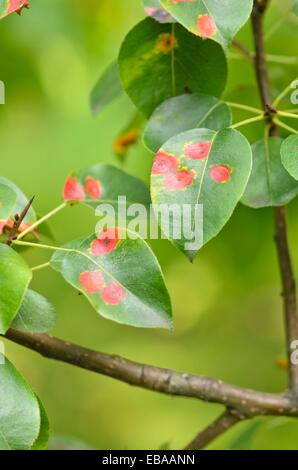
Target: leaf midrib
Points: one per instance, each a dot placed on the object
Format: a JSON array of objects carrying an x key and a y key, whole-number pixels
[{"x": 73, "y": 250}]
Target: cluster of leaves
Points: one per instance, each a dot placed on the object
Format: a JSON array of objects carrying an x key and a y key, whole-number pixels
[{"x": 173, "y": 67}]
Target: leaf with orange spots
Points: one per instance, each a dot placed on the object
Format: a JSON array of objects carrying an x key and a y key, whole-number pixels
[
  {"x": 100, "y": 184},
  {"x": 218, "y": 20},
  {"x": 129, "y": 136},
  {"x": 182, "y": 113},
  {"x": 119, "y": 276},
  {"x": 11, "y": 210},
  {"x": 12, "y": 6},
  {"x": 269, "y": 184},
  {"x": 160, "y": 61},
  {"x": 211, "y": 170},
  {"x": 154, "y": 9}
]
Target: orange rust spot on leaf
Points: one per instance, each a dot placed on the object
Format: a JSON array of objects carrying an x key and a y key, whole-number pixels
[
  {"x": 206, "y": 26},
  {"x": 113, "y": 294},
  {"x": 220, "y": 173},
  {"x": 180, "y": 180},
  {"x": 166, "y": 43},
  {"x": 92, "y": 281},
  {"x": 125, "y": 141},
  {"x": 282, "y": 363},
  {"x": 93, "y": 188},
  {"x": 17, "y": 6}
]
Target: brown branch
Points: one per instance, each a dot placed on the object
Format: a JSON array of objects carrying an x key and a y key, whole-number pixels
[
  {"x": 289, "y": 290},
  {"x": 245, "y": 401},
  {"x": 285, "y": 264},
  {"x": 224, "y": 422}
]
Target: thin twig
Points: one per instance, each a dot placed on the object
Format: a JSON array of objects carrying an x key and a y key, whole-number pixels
[
  {"x": 285, "y": 263},
  {"x": 225, "y": 421},
  {"x": 243, "y": 50},
  {"x": 289, "y": 289}
]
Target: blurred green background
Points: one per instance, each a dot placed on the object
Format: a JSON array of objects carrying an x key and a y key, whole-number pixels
[{"x": 227, "y": 306}]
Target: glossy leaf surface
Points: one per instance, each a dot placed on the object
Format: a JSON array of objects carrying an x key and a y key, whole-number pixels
[
  {"x": 159, "y": 61},
  {"x": 269, "y": 184},
  {"x": 121, "y": 278},
  {"x": 182, "y": 113},
  {"x": 219, "y": 20},
  {"x": 201, "y": 167}
]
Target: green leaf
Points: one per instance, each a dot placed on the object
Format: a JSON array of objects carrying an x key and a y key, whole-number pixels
[
  {"x": 200, "y": 166},
  {"x": 289, "y": 155},
  {"x": 19, "y": 410},
  {"x": 36, "y": 314},
  {"x": 159, "y": 61},
  {"x": 8, "y": 199},
  {"x": 121, "y": 278},
  {"x": 154, "y": 9},
  {"x": 11, "y": 6},
  {"x": 103, "y": 184},
  {"x": 15, "y": 276},
  {"x": 269, "y": 184},
  {"x": 107, "y": 89},
  {"x": 245, "y": 437},
  {"x": 41, "y": 442},
  {"x": 21, "y": 202},
  {"x": 295, "y": 7},
  {"x": 219, "y": 20},
  {"x": 182, "y": 113}
]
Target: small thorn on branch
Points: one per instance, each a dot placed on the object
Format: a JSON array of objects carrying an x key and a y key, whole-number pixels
[{"x": 18, "y": 219}]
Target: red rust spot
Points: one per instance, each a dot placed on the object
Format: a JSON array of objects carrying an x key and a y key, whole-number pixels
[
  {"x": 198, "y": 150},
  {"x": 2, "y": 226},
  {"x": 166, "y": 43},
  {"x": 113, "y": 294},
  {"x": 93, "y": 188},
  {"x": 106, "y": 242},
  {"x": 164, "y": 163},
  {"x": 206, "y": 26},
  {"x": 282, "y": 363},
  {"x": 17, "y": 6},
  {"x": 73, "y": 190},
  {"x": 180, "y": 180},
  {"x": 220, "y": 173},
  {"x": 183, "y": 1},
  {"x": 92, "y": 281}
]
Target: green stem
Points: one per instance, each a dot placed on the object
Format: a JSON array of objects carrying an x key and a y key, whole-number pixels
[
  {"x": 273, "y": 58},
  {"x": 282, "y": 95},
  {"x": 286, "y": 114},
  {"x": 247, "y": 121},
  {"x": 285, "y": 126},
  {"x": 244, "y": 107},
  {"x": 292, "y": 111},
  {"x": 42, "y": 220},
  {"x": 40, "y": 266},
  {"x": 43, "y": 246}
]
